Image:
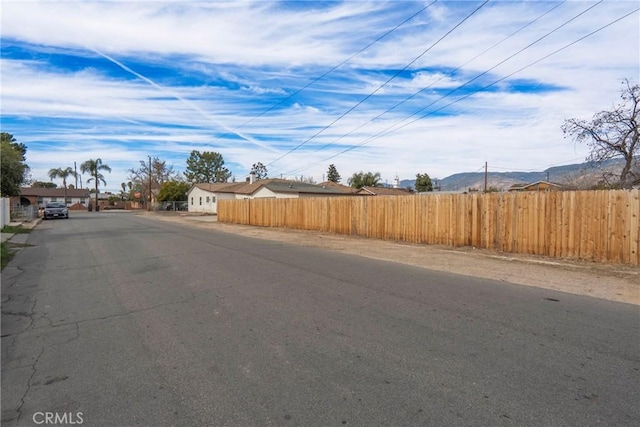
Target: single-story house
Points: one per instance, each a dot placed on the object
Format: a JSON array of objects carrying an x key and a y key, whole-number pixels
[
  {"x": 77, "y": 199},
  {"x": 204, "y": 197},
  {"x": 383, "y": 191},
  {"x": 282, "y": 188},
  {"x": 537, "y": 186}
]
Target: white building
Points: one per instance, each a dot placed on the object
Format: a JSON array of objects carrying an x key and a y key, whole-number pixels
[{"x": 204, "y": 198}]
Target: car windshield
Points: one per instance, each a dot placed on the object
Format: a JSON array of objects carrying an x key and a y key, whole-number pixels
[{"x": 55, "y": 205}]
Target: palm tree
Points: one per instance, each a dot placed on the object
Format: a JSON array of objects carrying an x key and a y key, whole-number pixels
[
  {"x": 64, "y": 174},
  {"x": 123, "y": 193},
  {"x": 93, "y": 168},
  {"x": 362, "y": 179}
]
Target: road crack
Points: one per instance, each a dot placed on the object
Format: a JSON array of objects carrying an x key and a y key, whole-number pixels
[{"x": 33, "y": 373}]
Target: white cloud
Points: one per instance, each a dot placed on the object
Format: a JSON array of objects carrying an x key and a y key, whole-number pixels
[{"x": 202, "y": 74}]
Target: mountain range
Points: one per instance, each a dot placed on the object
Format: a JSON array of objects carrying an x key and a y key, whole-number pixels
[{"x": 579, "y": 176}]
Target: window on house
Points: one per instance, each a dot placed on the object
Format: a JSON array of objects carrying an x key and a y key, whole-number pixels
[
  {"x": 82, "y": 200},
  {"x": 208, "y": 199},
  {"x": 192, "y": 201},
  {"x": 213, "y": 199},
  {"x": 200, "y": 201},
  {"x": 54, "y": 199},
  {"x": 68, "y": 200}
]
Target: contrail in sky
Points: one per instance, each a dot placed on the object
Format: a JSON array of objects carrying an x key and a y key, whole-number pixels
[{"x": 181, "y": 99}]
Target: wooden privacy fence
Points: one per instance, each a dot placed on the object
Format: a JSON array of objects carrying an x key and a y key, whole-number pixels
[{"x": 601, "y": 226}]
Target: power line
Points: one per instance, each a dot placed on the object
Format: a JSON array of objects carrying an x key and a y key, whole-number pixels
[
  {"x": 519, "y": 70},
  {"x": 382, "y": 85},
  {"x": 386, "y": 131},
  {"x": 436, "y": 81},
  {"x": 389, "y": 129},
  {"x": 330, "y": 70}
]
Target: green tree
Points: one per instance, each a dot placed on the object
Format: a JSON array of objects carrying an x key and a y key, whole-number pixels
[
  {"x": 19, "y": 147},
  {"x": 332, "y": 174},
  {"x": 173, "y": 191},
  {"x": 260, "y": 170},
  {"x": 612, "y": 134},
  {"x": 113, "y": 199},
  {"x": 94, "y": 168},
  {"x": 423, "y": 183},
  {"x": 206, "y": 167},
  {"x": 13, "y": 169},
  {"x": 43, "y": 184},
  {"x": 362, "y": 179},
  {"x": 63, "y": 174}
]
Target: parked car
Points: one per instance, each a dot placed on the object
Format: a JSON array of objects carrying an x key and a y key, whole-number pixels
[{"x": 55, "y": 210}]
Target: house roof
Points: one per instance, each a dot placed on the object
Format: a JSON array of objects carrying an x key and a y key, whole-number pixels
[
  {"x": 286, "y": 186},
  {"x": 337, "y": 186},
  {"x": 384, "y": 191},
  {"x": 54, "y": 192},
  {"x": 220, "y": 187},
  {"x": 273, "y": 184}
]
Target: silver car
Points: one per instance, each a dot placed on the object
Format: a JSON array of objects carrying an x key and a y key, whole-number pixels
[{"x": 56, "y": 210}]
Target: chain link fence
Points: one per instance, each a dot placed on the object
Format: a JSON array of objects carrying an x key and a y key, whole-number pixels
[
  {"x": 21, "y": 213},
  {"x": 176, "y": 206}
]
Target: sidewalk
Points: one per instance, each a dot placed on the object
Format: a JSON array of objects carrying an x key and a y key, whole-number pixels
[{"x": 20, "y": 238}]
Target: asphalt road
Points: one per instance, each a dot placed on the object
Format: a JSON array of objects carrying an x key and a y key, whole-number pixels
[{"x": 113, "y": 319}]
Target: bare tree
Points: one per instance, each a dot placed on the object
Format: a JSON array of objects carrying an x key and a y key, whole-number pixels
[
  {"x": 305, "y": 179},
  {"x": 260, "y": 170},
  {"x": 612, "y": 134},
  {"x": 150, "y": 176}
]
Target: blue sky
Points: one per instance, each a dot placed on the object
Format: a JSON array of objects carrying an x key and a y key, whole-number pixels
[{"x": 385, "y": 86}]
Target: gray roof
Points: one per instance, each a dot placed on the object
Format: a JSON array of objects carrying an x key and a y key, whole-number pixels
[
  {"x": 219, "y": 187},
  {"x": 54, "y": 192},
  {"x": 273, "y": 184}
]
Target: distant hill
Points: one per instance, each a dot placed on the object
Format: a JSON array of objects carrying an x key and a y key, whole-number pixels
[{"x": 582, "y": 175}]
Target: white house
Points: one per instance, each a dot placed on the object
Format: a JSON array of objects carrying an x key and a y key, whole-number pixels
[{"x": 204, "y": 197}]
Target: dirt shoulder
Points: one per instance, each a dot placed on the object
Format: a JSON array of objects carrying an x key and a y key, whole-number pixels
[{"x": 607, "y": 281}]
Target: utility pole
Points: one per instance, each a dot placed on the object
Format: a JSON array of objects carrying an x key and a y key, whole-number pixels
[
  {"x": 485, "y": 177},
  {"x": 149, "y": 205}
]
